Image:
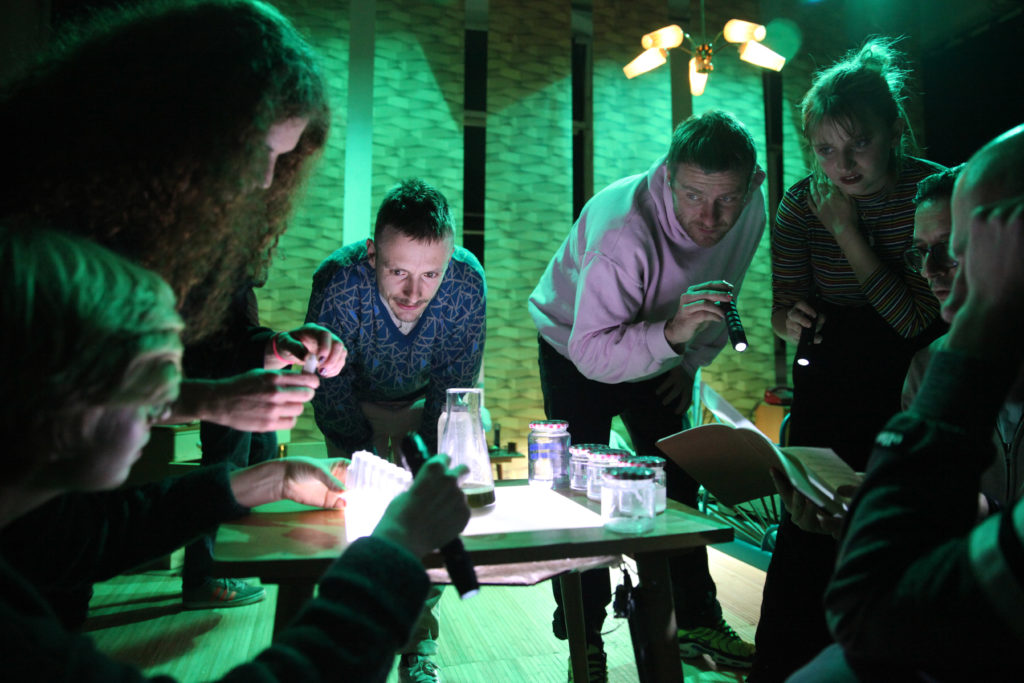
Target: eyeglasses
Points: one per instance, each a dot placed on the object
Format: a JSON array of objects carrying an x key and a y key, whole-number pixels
[{"x": 915, "y": 257}]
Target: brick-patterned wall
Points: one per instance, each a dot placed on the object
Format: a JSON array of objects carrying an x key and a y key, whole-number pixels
[
  {"x": 528, "y": 204},
  {"x": 418, "y": 86},
  {"x": 316, "y": 228},
  {"x": 632, "y": 117},
  {"x": 418, "y": 99}
]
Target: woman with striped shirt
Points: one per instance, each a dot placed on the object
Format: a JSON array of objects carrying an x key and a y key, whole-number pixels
[{"x": 837, "y": 268}]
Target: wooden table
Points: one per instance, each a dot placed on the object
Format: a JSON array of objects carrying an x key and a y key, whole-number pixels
[{"x": 293, "y": 548}]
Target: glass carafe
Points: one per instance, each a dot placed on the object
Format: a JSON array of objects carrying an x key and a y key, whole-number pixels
[{"x": 462, "y": 438}]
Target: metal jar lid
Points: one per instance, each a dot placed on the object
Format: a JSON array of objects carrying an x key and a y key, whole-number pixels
[
  {"x": 549, "y": 425},
  {"x": 644, "y": 461},
  {"x": 629, "y": 473},
  {"x": 584, "y": 449}
]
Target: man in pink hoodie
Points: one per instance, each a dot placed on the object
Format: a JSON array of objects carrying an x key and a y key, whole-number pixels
[{"x": 629, "y": 308}]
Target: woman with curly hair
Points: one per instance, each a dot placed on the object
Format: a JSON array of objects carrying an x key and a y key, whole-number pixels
[
  {"x": 147, "y": 131},
  {"x": 177, "y": 134},
  {"x": 838, "y": 272}
]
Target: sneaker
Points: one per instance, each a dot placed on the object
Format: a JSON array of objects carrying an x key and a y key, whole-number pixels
[
  {"x": 718, "y": 641},
  {"x": 597, "y": 664},
  {"x": 415, "y": 668},
  {"x": 221, "y": 593}
]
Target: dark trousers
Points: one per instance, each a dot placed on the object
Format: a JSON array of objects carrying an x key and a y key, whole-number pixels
[
  {"x": 239, "y": 449},
  {"x": 791, "y": 630},
  {"x": 840, "y": 401},
  {"x": 589, "y": 407}
]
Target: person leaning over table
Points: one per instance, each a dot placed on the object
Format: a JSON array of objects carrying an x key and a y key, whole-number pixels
[
  {"x": 411, "y": 309},
  {"x": 627, "y": 311},
  {"x": 79, "y": 410}
]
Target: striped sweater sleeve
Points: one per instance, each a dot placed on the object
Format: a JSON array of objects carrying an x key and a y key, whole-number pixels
[{"x": 804, "y": 251}]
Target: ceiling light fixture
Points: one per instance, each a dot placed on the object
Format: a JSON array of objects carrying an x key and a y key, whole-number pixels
[{"x": 747, "y": 34}]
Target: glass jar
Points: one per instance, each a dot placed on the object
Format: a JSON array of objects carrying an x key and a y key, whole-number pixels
[
  {"x": 548, "y": 453},
  {"x": 658, "y": 465},
  {"x": 627, "y": 499},
  {"x": 579, "y": 458},
  {"x": 598, "y": 460}
]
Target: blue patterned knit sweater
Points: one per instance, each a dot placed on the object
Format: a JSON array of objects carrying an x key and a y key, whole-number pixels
[{"x": 444, "y": 350}]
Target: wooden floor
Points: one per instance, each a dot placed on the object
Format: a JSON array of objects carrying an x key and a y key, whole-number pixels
[{"x": 503, "y": 635}]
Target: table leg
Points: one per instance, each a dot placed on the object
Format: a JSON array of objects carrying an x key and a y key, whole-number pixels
[
  {"x": 657, "y": 621},
  {"x": 291, "y": 596},
  {"x": 572, "y": 606}
]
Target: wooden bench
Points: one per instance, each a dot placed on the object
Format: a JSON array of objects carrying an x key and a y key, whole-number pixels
[{"x": 138, "y": 619}]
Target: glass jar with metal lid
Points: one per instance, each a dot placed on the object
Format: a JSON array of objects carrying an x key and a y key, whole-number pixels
[
  {"x": 548, "y": 453},
  {"x": 579, "y": 457},
  {"x": 598, "y": 460},
  {"x": 658, "y": 465},
  {"x": 627, "y": 499}
]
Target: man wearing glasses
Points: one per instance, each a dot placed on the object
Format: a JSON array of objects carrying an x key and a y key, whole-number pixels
[{"x": 931, "y": 256}]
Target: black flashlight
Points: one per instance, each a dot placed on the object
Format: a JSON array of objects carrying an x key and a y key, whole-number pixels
[
  {"x": 456, "y": 559},
  {"x": 803, "y": 348},
  {"x": 737, "y": 336}
]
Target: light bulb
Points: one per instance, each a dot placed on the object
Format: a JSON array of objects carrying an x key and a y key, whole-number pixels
[
  {"x": 647, "y": 60},
  {"x": 759, "y": 55},
  {"x": 739, "y": 31},
  {"x": 666, "y": 38},
  {"x": 697, "y": 79}
]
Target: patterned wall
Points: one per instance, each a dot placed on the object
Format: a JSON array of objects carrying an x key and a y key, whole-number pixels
[
  {"x": 316, "y": 228},
  {"x": 418, "y": 86},
  {"x": 632, "y": 117},
  {"x": 418, "y": 98},
  {"x": 528, "y": 203}
]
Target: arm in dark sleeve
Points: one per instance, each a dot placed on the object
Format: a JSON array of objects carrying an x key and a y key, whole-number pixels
[
  {"x": 91, "y": 537},
  {"x": 368, "y": 602},
  {"x": 365, "y": 609},
  {"x": 335, "y": 407},
  {"x": 910, "y": 570}
]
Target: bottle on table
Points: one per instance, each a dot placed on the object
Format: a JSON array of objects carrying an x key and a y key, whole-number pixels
[
  {"x": 548, "y": 453},
  {"x": 463, "y": 439},
  {"x": 657, "y": 465},
  {"x": 627, "y": 499},
  {"x": 599, "y": 460}
]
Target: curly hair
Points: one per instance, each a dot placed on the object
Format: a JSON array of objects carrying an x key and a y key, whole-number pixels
[
  {"x": 145, "y": 129},
  {"x": 84, "y": 328},
  {"x": 865, "y": 84}
]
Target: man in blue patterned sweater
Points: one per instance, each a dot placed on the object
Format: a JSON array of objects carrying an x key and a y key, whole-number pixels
[{"x": 410, "y": 307}]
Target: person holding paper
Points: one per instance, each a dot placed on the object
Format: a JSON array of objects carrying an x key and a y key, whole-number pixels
[
  {"x": 916, "y": 566},
  {"x": 627, "y": 311}
]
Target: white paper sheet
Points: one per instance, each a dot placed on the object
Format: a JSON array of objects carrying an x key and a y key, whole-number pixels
[{"x": 528, "y": 508}]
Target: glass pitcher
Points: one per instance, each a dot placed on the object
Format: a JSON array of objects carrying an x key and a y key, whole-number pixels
[{"x": 462, "y": 438}]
